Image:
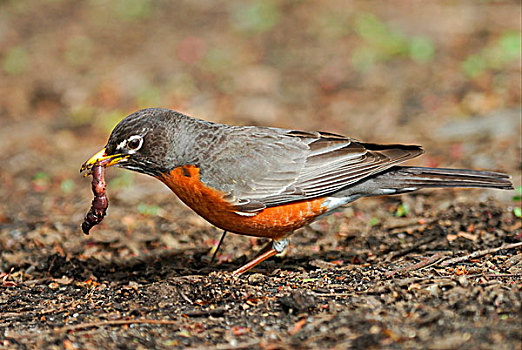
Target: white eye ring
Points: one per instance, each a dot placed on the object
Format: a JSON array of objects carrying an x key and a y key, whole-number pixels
[{"x": 134, "y": 143}]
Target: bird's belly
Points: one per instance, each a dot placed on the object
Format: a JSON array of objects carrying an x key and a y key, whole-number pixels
[{"x": 274, "y": 222}]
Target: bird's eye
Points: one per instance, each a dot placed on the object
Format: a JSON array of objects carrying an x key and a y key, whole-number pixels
[{"x": 135, "y": 142}]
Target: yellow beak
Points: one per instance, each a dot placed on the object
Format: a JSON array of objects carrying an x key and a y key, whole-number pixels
[{"x": 101, "y": 158}]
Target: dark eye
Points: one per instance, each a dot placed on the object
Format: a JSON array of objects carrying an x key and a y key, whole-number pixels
[{"x": 134, "y": 143}]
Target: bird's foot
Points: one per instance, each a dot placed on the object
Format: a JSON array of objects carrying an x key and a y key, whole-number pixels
[{"x": 278, "y": 246}]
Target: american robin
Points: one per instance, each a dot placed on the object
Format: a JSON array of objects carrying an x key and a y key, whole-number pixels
[{"x": 264, "y": 181}]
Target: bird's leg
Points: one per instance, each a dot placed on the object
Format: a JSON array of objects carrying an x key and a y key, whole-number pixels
[
  {"x": 265, "y": 249},
  {"x": 217, "y": 248},
  {"x": 278, "y": 246}
]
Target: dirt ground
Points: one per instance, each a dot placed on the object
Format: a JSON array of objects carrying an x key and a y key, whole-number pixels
[{"x": 438, "y": 269}]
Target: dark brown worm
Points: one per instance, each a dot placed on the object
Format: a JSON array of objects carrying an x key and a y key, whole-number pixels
[{"x": 100, "y": 203}]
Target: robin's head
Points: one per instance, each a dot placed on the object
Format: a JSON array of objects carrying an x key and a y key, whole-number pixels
[{"x": 139, "y": 142}]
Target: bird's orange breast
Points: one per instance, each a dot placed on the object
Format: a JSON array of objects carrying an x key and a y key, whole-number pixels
[{"x": 274, "y": 222}]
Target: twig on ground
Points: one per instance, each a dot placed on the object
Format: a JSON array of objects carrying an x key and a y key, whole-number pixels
[
  {"x": 336, "y": 294},
  {"x": 80, "y": 326},
  {"x": 478, "y": 253},
  {"x": 415, "y": 246},
  {"x": 495, "y": 275},
  {"x": 423, "y": 263}
]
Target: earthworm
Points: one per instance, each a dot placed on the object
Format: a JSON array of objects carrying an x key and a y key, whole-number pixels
[{"x": 100, "y": 203}]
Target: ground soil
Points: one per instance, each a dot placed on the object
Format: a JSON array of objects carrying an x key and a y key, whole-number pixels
[{"x": 397, "y": 285}]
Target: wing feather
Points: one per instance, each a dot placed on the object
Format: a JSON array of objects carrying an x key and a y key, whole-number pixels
[
  {"x": 261, "y": 167},
  {"x": 336, "y": 164}
]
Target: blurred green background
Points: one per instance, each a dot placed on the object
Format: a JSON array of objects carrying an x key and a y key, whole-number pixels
[
  {"x": 336, "y": 63},
  {"x": 445, "y": 74}
]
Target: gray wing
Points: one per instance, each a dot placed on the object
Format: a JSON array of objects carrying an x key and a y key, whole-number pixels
[{"x": 263, "y": 167}]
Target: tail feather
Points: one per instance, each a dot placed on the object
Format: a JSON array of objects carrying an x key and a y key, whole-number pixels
[{"x": 402, "y": 177}]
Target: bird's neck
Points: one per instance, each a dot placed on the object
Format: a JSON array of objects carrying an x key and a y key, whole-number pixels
[{"x": 191, "y": 145}]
